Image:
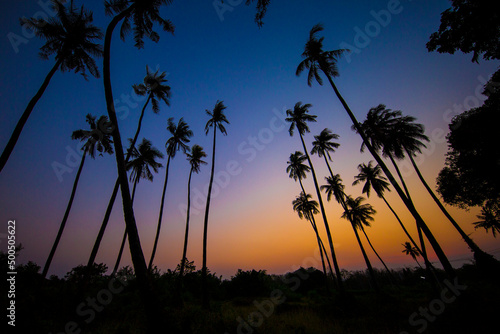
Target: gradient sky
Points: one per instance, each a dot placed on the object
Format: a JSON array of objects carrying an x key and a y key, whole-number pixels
[{"x": 252, "y": 70}]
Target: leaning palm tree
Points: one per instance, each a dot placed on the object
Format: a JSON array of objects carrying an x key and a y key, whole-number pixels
[
  {"x": 360, "y": 214},
  {"x": 298, "y": 117},
  {"x": 316, "y": 60},
  {"x": 96, "y": 139},
  {"x": 156, "y": 88},
  {"x": 307, "y": 208},
  {"x": 71, "y": 38},
  {"x": 489, "y": 219},
  {"x": 143, "y": 160},
  {"x": 297, "y": 169},
  {"x": 323, "y": 145},
  {"x": 180, "y": 136},
  {"x": 195, "y": 160},
  {"x": 412, "y": 251},
  {"x": 216, "y": 121}
]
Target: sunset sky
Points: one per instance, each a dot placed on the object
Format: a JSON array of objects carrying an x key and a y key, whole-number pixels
[{"x": 225, "y": 56}]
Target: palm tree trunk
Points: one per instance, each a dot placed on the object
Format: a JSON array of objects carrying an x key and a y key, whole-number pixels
[
  {"x": 24, "y": 117},
  {"x": 472, "y": 245},
  {"x": 124, "y": 239},
  {"x": 435, "y": 245},
  {"x": 376, "y": 253},
  {"x": 186, "y": 234},
  {"x": 318, "y": 239},
  {"x": 65, "y": 218},
  {"x": 204, "y": 287},
  {"x": 111, "y": 202},
  {"x": 367, "y": 261},
  {"x": 157, "y": 236},
  {"x": 325, "y": 220}
]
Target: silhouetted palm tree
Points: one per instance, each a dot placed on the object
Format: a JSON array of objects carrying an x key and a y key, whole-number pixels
[
  {"x": 323, "y": 145},
  {"x": 315, "y": 60},
  {"x": 489, "y": 220},
  {"x": 412, "y": 251},
  {"x": 298, "y": 117},
  {"x": 195, "y": 160},
  {"x": 217, "y": 120},
  {"x": 143, "y": 158},
  {"x": 297, "y": 169},
  {"x": 180, "y": 136},
  {"x": 71, "y": 38},
  {"x": 360, "y": 214},
  {"x": 96, "y": 139},
  {"x": 155, "y": 86},
  {"x": 307, "y": 208}
]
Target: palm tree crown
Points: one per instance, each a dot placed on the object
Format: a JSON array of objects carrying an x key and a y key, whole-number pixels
[
  {"x": 373, "y": 178},
  {"x": 195, "y": 157},
  {"x": 358, "y": 214},
  {"x": 489, "y": 219},
  {"x": 334, "y": 187},
  {"x": 315, "y": 59},
  {"x": 296, "y": 168},
  {"x": 323, "y": 144},
  {"x": 305, "y": 206},
  {"x": 180, "y": 136},
  {"x": 71, "y": 37},
  {"x": 410, "y": 250},
  {"x": 298, "y": 117},
  {"x": 155, "y": 86},
  {"x": 144, "y": 14},
  {"x": 142, "y": 158},
  {"x": 98, "y": 138},
  {"x": 217, "y": 118}
]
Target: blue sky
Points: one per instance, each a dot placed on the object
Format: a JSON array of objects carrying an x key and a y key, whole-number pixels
[{"x": 253, "y": 71}]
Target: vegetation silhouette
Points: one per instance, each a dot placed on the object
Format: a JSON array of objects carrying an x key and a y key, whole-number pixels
[{"x": 412, "y": 251}]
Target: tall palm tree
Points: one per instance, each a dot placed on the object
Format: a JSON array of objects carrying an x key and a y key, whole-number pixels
[
  {"x": 97, "y": 139},
  {"x": 298, "y": 117},
  {"x": 412, "y": 251},
  {"x": 360, "y": 214},
  {"x": 216, "y": 121},
  {"x": 156, "y": 87},
  {"x": 323, "y": 145},
  {"x": 140, "y": 16},
  {"x": 307, "y": 208},
  {"x": 297, "y": 169},
  {"x": 71, "y": 37},
  {"x": 180, "y": 136},
  {"x": 143, "y": 160},
  {"x": 489, "y": 219},
  {"x": 316, "y": 60},
  {"x": 195, "y": 160}
]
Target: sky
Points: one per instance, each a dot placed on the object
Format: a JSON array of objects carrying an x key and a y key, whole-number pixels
[{"x": 223, "y": 55}]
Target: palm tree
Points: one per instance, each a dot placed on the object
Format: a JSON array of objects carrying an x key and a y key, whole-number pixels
[
  {"x": 323, "y": 145},
  {"x": 360, "y": 214},
  {"x": 195, "y": 160},
  {"x": 96, "y": 139},
  {"x": 298, "y": 117},
  {"x": 155, "y": 86},
  {"x": 373, "y": 179},
  {"x": 142, "y": 14},
  {"x": 217, "y": 120},
  {"x": 489, "y": 219},
  {"x": 180, "y": 136},
  {"x": 143, "y": 158},
  {"x": 315, "y": 60},
  {"x": 307, "y": 208},
  {"x": 71, "y": 38},
  {"x": 412, "y": 251},
  {"x": 296, "y": 168}
]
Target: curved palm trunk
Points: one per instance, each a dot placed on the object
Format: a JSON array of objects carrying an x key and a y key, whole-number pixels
[
  {"x": 478, "y": 252},
  {"x": 376, "y": 253},
  {"x": 186, "y": 234},
  {"x": 435, "y": 245},
  {"x": 24, "y": 117},
  {"x": 415, "y": 258},
  {"x": 318, "y": 239},
  {"x": 124, "y": 239},
  {"x": 157, "y": 236},
  {"x": 367, "y": 261},
  {"x": 204, "y": 288},
  {"x": 65, "y": 218},
  {"x": 325, "y": 220},
  {"x": 111, "y": 202}
]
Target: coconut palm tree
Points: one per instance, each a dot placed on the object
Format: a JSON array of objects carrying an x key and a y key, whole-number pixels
[
  {"x": 156, "y": 88},
  {"x": 180, "y": 136},
  {"x": 360, "y": 214},
  {"x": 97, "y": 139},
  {"x": 195, "y": 160},
  {"x": 489, "y": 219},
  {"x": 297, "y": 169},
  {"x": 316, "y": 60},
  {"x": 298, "y": 117},
  {"x": 216, "y": 121},
  {"x": 72, "y": 38},
  {"x": 412, "y": 251},
  {"x": 143, "y": 160},
  {"x": 307, "y": 208},
  {"x": 323, "y": 145}
]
